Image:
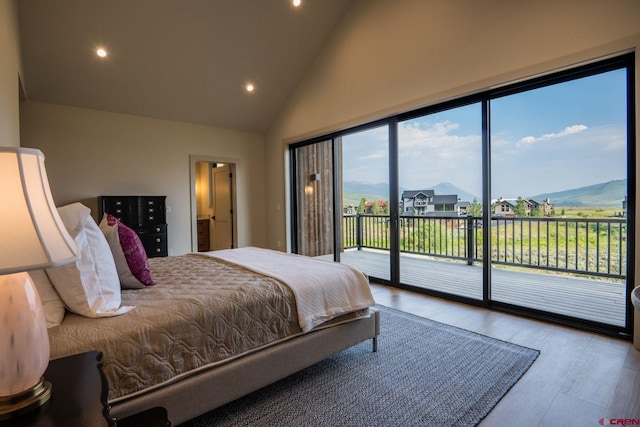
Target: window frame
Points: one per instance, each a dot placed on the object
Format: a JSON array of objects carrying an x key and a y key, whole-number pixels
[{"x": 623, "y": 61}]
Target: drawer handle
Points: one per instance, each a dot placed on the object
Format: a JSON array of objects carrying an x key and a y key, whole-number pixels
[
  {"x": 158, "y": 229},
  {"x": 118, "y": 203},
  {"x": 158, "y": 250},
  {"x": 118, "y": 210},
  {"x": 158, "y": 239},
  {"x": 150, "y": 217},
  {"x": 150, "y": 210}
]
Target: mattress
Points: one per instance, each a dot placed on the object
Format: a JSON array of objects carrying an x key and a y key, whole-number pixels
[{"x": 201, "y": 312}]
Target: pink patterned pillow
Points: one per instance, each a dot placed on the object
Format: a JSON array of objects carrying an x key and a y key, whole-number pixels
[{"x": 133, "y": 250}]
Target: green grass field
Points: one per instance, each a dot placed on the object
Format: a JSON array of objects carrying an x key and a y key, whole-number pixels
[{"x": 587, "y": 212}]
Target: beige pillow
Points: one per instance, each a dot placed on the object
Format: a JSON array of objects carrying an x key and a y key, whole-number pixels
[
  {"x": 51, "y": 301},
  {"x": 127, "y": 279}
]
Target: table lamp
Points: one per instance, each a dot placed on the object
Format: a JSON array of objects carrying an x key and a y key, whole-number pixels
[{"x": 32, "y": 236}]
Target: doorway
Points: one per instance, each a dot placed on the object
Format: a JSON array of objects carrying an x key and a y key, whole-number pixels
[{"x": 213, "y": 204}]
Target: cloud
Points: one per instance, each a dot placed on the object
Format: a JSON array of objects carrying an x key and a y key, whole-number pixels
[
  {"x": 382, "y": 154},
  {"x": 438, "y": 140},
  {"x": 569, "y": 130}
]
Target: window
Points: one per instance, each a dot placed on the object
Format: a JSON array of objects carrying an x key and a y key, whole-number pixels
[{"x": 486, "y": 188}]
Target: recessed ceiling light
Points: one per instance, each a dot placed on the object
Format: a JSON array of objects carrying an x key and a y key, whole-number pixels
[
  {"x": 297, "y": 3},
  {"x": 101, "y": 53},
  {"x": 250, "y": 87}
]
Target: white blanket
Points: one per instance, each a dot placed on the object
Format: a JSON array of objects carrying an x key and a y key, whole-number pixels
[{"x": 323, "y": 289}]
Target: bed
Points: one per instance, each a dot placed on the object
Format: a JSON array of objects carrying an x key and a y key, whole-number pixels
[{"x": 216, "y": 326}]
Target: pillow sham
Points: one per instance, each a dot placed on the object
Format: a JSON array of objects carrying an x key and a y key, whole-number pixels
[
  {"x": 90, "y": 286},
  {"x": 123, "y": 240},
  {"x": 51, "y": 302},
  {"x": 127, "y": 279}
]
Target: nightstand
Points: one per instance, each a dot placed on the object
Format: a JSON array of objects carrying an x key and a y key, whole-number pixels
[
  {"x": 154, "y": 417},
  {"x": 79, "y": 395}
]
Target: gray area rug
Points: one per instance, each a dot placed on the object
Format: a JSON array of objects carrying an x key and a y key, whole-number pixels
[{"x": 425, "y": 373}]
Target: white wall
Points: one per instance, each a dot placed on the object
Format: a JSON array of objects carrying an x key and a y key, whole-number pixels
[
  {"x": 90, "y": 153},
  {"x": 10, "y": 69},
  {"x": 389, "y": 56}
]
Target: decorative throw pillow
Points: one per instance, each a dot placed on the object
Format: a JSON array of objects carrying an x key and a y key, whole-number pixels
[
  {"x": 133, "y": 250},
  {"x": 51, "y": 302},
  {"x": 90, "y": 286},
  {"x": 127, "y": 279}
]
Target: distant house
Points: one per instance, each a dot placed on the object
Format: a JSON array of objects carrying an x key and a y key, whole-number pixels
[
  {"x": 463, "y": 208},
  {"x": 427, "y": 203},
  {"x": 545, "y": 207},
  {"x": 349, "y": 210},
  {"x": 382, "y": 207},
  {"x": 416, "y": 202},
  {"x": 505, "y": 208}
]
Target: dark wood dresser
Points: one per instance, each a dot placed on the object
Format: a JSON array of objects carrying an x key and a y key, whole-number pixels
[{"x": 146, "y": 215}]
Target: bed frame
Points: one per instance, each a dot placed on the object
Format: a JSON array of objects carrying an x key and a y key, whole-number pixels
[{"x": 209, "y": 389}]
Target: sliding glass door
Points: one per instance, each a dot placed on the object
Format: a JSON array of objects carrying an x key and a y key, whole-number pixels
[
  {"x": 440, "y": 194},
  {"x": 519, "y": 198},
  {"x": 366, "y": 236},
  {"x": 559, "y": 186}
]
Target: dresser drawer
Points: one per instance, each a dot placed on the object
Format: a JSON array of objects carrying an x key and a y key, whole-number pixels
[
  {"x": 151, "y": 229},
  {"x": 125, "y": 208},
  {"x": 151, "y": 210},
  {"x": 155, "y": 245},
  {"x": 203, "y": 235}
]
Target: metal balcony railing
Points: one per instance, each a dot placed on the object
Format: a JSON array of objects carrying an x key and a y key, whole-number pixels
[{"x": 594, "y": 247}]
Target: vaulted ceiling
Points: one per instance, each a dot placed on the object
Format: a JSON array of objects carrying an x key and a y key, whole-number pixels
[{"x": 183, "y": 60}]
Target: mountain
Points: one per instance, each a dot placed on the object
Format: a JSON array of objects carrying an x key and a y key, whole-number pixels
[
  {"x": 449, "y": 188},
  {"x": 355, "y": 191},
  {"x": 606, "y": 194}
]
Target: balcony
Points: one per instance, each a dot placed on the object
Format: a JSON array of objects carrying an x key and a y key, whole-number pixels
[{"x": 571, "y": 267}]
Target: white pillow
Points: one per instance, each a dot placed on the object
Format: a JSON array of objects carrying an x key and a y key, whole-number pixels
[
  {"x": 90, "y": 286},
  {"x": 51, "y": 302},
  {"x": 127, "y": 279}
]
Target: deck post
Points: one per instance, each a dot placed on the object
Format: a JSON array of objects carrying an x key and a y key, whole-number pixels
[
  {"x": 470, "y": 233},
  {"x": 359, "y": 231}
]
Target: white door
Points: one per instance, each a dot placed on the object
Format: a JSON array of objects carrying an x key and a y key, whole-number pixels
[{"x": 222, "y": 218}]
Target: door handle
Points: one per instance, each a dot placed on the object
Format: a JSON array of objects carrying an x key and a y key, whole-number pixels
[{"x": 213, "y": 217}]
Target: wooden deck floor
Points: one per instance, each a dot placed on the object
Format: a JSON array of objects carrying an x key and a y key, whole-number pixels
[{"x": 594, "y": 300}]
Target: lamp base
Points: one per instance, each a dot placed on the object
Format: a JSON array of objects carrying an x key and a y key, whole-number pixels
[{"x": 25, "y": 401}]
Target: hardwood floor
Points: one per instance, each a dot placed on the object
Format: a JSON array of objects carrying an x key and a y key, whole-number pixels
[{"x": 578, "y": 379}]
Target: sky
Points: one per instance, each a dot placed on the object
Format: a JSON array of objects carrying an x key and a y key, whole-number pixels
[{"x": 555, "y": 138}]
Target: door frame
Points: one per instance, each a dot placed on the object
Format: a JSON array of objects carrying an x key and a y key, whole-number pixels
[{"x": 234, "y": 164}]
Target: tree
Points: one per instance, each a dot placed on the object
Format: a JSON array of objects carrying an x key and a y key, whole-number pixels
[
  {"x": 476, "y": 208},
  {"x": 361, "y": 206},
  {"x": 520, "y": 209},
  {"x": 375, "y": 208}
]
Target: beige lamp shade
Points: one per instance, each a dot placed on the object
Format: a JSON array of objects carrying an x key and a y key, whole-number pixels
[{"x": 32, "y": 235}]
